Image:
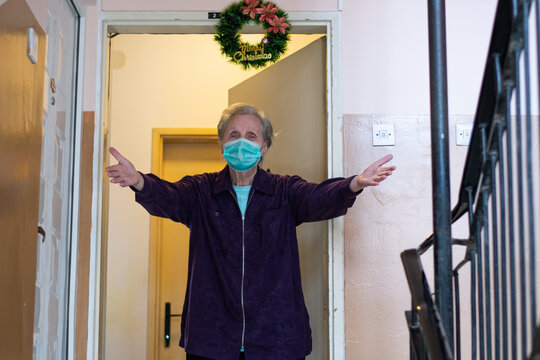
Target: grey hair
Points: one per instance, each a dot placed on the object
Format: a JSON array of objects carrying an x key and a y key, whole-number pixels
[{"x": 245, "y": 109}]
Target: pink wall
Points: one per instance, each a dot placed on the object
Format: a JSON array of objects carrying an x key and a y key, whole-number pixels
[
  {"x": 90, "y": 59},
  {"x": 386, "y": 80},
  {"x": 211, "y": 5},
  {"x": 385, "y": 55},
  {"x": 385, "y": 221}
]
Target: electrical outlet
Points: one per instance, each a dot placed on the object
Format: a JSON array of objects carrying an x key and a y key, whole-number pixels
[
  {"x": 383, "y": 135},
  {"x": 463, "y": 134}
]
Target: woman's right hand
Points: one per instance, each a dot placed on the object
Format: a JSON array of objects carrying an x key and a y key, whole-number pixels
[{"x": 124, "y": 173}]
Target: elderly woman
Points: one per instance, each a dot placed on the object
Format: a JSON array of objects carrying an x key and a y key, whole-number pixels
[{"x": 244, "y": 294}]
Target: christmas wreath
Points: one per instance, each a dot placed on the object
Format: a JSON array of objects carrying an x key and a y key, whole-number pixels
[{"x": 271, "y": 47}]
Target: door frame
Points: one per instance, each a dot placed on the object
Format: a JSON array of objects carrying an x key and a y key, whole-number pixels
[
  {"x": 72, "y": 340},
  {"x": 198, "y": 22}
]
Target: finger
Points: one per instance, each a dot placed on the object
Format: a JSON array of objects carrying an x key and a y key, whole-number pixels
[
  {"x": 116, "y": 180},
  {"x": 116, "y": 176},
  {"x": 121, "y": 159},
  {"x": 386, "y": 173},
  {"x": 113, "y": 173},
  {"x": 383, "y": 160},
  {"x": 117, "y": 168}
]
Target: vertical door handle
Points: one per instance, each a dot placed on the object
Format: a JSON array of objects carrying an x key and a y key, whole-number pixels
[
  {"x": 168, "y": 317},
  {"x": 41, "y": 232}
]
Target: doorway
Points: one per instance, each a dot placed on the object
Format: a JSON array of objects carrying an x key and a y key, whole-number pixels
[{"x": 124, "y": 280}]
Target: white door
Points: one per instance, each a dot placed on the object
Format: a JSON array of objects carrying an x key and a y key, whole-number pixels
[
  {"x": 293, "y": 94},
  {"x": 50, "y": 317}
]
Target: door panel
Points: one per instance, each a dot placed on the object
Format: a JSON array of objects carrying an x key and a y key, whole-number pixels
[
  {"x": 21, "y": 101},
  {"x": 179, "y": 159},
  {"x": 293, "y": 95},
  {"x": 52, "y": 273}
]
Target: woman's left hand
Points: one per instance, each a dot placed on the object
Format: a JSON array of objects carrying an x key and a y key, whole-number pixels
[{"x": 373, "y": 174}]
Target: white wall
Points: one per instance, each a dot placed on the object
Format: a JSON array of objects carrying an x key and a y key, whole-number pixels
[{"x": 156, "y": 81}]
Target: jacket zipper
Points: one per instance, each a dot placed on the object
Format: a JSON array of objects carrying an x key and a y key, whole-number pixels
[
  {"x": 243, "y": 268},
  {"x": 242, "y": 288}
]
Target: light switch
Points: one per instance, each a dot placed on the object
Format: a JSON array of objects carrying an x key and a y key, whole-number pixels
[
  {"x": 32, "y": 45},
  {"x": 383, "y": 135},
  {"x": 463, "y": 134}
]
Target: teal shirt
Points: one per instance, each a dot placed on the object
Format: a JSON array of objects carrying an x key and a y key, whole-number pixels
[{"x": 242, "y": 194}]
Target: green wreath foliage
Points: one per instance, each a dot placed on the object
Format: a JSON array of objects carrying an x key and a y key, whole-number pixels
[{"x": 232, "y": 20}]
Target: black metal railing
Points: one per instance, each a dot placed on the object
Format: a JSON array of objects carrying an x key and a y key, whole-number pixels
[{"x": 500, "y": 194}]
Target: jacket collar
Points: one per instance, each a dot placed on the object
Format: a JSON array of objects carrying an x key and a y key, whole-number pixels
[{"x": 262, "y": 181}]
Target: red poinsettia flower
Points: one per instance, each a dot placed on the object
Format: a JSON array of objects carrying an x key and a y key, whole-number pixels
[
  {"x": 251, "y": 8},
  {"x": 278, "y": 24},
  {"x": 268, "y": 12}
]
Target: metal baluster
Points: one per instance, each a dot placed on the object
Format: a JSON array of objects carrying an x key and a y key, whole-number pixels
[
  {"x": 457, "y": 316},
  {"x": 413, "y": 321},
  {"x": 473, "y": 275},
  {"x": 511, "y": 242},
  {"x": 495, "y": 204},
  {"x": 442, "y": 224},
  {"x": 529, "y": 163},
  {"x": 481, "y": 307},
  {"x": 521, "y": 224},
  {"x": 473, "y": 305},
  {"x": 485, "y": 244},
  {"x": 494, "y": 236},
  {"x": 487, "y": 272},
  {"x": 503, "y": 238}
]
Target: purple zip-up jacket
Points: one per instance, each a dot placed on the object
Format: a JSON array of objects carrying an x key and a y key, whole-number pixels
[{"x": 244, "y": 287}]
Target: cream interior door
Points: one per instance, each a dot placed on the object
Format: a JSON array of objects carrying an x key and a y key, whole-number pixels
[
  {"x": 293, "y": 94},
  {"x": 52, "y": 274},
  {"x": 180, "y": 158}
]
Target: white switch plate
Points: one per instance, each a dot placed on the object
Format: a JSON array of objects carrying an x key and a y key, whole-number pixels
[
  {"x": 32, "y": 45},
  {"x": 383, "y": 135},
  {"x": 463, "y": 134}
]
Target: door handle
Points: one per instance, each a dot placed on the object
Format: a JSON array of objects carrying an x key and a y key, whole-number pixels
[
  {"x": 168, "y": 317},
  {"x": 42, "y": 233}
]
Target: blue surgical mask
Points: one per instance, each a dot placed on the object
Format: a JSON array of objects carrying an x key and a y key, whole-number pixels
[{"x": 242, "y": 154}]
